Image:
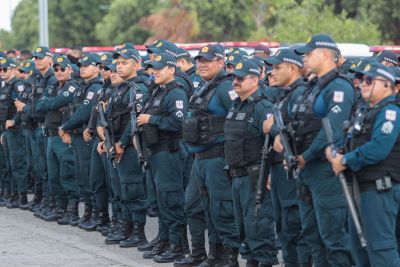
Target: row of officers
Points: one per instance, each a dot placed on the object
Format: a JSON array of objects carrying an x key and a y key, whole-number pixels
[{"x": 260, "y": 151}]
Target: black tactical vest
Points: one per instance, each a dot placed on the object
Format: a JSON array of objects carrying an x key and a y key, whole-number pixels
[
  {"x": 200, "y": 127},
  {"x": 305, "y": 123},
  {"x": 241, "y": 148},
  {"x": 7, "y": 108},
  {"x": 37, "y": 93},
  {"x": 387, "y": 167},
  {"x": 153, "y": 106},
  {"x": 25, "y": 97}
]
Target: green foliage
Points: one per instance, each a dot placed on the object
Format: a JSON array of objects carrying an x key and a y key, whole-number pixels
[
  {"x": 296, "y": 22},
  {"x": 25, "y": 25},
  {"x": 120, "y": 24}
]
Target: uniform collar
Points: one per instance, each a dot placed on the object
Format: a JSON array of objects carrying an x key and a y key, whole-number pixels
[
  {"x": 169, "y": 86},
  {"x": 385, "y": 100},
  {"x": 250, "y": 98},
  {"x": 48, "y": 73},
  {"x": 13, "y": 80},
  {"x": 296, "y": 83},
  {"x": 94, "y": 80},
  {"x": 191, "y": 70}
]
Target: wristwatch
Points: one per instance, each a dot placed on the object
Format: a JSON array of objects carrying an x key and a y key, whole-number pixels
[{"x": 343, "y": 161}]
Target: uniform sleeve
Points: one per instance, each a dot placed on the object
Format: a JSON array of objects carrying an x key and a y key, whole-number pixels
[
  {"x": 126, "y": 137},
  {"x": 263, "y": 111},
  {"x": 385, "y": 133},
  {"x": 175, "y": 103},
  {"x": 339, "y": 99},
  {"x": 82, "y": 114},
  {"x": 225, "y": 95}
]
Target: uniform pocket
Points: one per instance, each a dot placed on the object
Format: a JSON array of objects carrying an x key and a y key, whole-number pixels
[{"x": 174, "y": 199}]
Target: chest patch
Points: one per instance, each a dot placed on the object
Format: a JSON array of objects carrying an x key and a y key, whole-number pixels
[
  {"x": 240, "y": 116},
  {"x": 20, "y": 88},
  {"x": 232, "y": 95},
  {"x": 157, "y": 103},
  {"x": 71, "y": 89}
]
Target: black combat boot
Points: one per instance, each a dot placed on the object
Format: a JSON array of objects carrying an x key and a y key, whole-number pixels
[
  {"x": 252, "y": 263},
  {"x": 106, "y": 229},
  {"x": 137, "y": 238},
  {"x": 55, "y": 214},
  {"x": 72, "y": 214},
  {"x": 158, "y": 249},
  {"x": 174, "y": 252},
  {"x": 230, "y": 257},
  {"x": 23, "y": 200},
  {"x": 95, "y": 220},
  {"x": 13, "y": 203},
  {"x": 123, "y": 234},
  {"x": 87, "y": 215},
  {"x": 150, "y": 245},
  {"x": 197, "y": 256},
  {"x": 37, "y": 198},
  {"x": 214, "y": 256}
]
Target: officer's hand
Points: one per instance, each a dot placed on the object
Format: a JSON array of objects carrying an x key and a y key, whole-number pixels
[
  {"x": 301, "y": 162},
  {"x": 100, "y": 132},
  {"x": 328, "y": 153},
  {"x": 87, "y": 135},
  {"x": 2, "y": 139},
  {"x": 337, "y": 164},
  {"x": 269, "y": 183},
  {"x": 9, "y": 124},
  {"x": 278, "y": 147},
  {"x": 267, "y": 124},
  {"x": 19, "y": 105},
  {"x": 66, "y": 138},
  {"x": 143, "y": 119},
  {"x": 119, "y": 152},
  {"x": 101, "y": 148},
  {"x": 104, "y": 104}
]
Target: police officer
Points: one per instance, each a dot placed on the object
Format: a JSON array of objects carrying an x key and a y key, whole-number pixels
[
  {"x": 184, "y": 62},
  {"x": 261, "y": 51},
  {"x": 373, "y": 162},
  {"x": 131, "y": 177},
  {"x": 231, "y": 62},
  {"x": 60, "y": 157},
  {"x": 161, "y": 119},
  {"x": 45, "y": 78},
  {"x": 388, "y": 58},
  {"x": 12, "y": 136},
  {"x": 99, "y": 167},
  {"x": 71, "y": 130},
  {"x": 286, "y": 72},
  {"x": 203, "y": 132},
  {"x": 243, "y": 132},
  {"x": 322, "y": 204}
]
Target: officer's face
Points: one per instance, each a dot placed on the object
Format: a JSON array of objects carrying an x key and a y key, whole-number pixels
[
  {"x": 89, "y": 72},
  {"x": 230, "y": 68},
  {"x": 7, "y": 73},
  {"x": 261, "y": 54},
  {"x": 104, "y": 72},
  {"x": 164, "y": 75},
  {"x": 62, "y": 74},
  {"x": 313, "y": 59},
  {"x": 42, "y": 63},
  {"x": 115, "y": 78},
  {"x": 126, "y": 67},
  {"x": 281, "y": 74},
  {"x": 373, "y": 89},
  {"x": 245, "y": 85},
  {"x": 207, "y": 69}
]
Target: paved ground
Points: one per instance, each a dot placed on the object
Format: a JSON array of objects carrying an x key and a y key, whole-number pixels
[{"x": 28, "y": 241}]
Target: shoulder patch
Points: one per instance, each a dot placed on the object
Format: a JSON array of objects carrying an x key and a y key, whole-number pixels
[
  {"x": 99, "y": 91},
  {"x": 232, "y": 95},
  {"x": 90, "y": 95},
  {"x": 86, "y": 102},
  {"x": 179, "y": 104},
  {"x": 387, "y": 127},
  {"x": 390, "y": 115},
  {"x": 179, "y": 114},
  {"x": 20, "y": 88},
  {"x": 336, "y": 109},
  {"x": 66, "y": 93},
  {"x": 139, "y": 96},
  {"x": 71, "y": 89},
  {"x": 338, "y": 96}
]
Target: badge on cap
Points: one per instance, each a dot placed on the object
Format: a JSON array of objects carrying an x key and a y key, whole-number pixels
[
  {"x": 159, "y": 44},
  {"x": 158, "y": 58},
  {"x": 27, "y": 64},
  {"x": 204, "y": 49},
  {"x": 231, "y": 58},
  {"x": 122, "y": 51},
  {"x": 60, "y": 59},
  {"x": 309, "y": 39},
  {"x": 85, "y": 58},
  {"x": 353, "y": 65},
  {"x": 367, "y": 68},
  {"x": 3, "y": 60},
  {"x": 239, "y": 66},
  {"x": 38, "y": 50},
  {"x": 277, "y": 52},
  {"x": 103, "y": 57}
]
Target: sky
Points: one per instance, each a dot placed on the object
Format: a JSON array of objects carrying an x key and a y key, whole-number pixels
[{"x": 6, "y": 9}]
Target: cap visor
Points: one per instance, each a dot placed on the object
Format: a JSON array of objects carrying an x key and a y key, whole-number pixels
[
  {"x": 154, "y": 65},
  {"x": 303, "y": 49},
  {"x": 38, "y": 55},
  {"x": 239, "y": 73},
  {"x": 367, "y": 73},
  {"x": 273, "y": 60}
]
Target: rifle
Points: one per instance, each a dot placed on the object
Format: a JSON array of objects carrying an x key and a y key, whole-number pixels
[
  {"x": 135, "y": 129},
  {"x": 290, "y": 159},
  {"x": 109, "y": 144},
  {"x": 352, "y": 208},
  {"x": 263, "y": 175}
]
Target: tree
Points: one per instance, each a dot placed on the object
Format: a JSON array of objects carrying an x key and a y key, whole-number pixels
[
  {"x": 121, "y": 22},
  {"x": 297, "y": 22}
]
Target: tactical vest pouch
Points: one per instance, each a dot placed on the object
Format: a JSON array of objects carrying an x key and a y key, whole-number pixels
[
  {"x": 3, "y": 112},
  {"x": 234, "y": 153},
  {"x": 190, "y": 127},
  {"x": 150, "y": 133},
  {"x": 116, "y": 124}
]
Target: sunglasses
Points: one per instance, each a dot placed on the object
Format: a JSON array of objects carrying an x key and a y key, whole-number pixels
[
  {"x": 101, "y": 67},
  {"x": 369, "y": 80},
  {"x": 3, "y": 69},
  {"x": 59, "y": 69},
  {"x": 240, "y": 79}
]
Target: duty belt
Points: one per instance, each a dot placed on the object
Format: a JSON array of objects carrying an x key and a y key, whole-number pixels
[
  {"x": 52, "y": 132},
  {"x": 215, "y": 152},
  {"x": 238, "y": 172}
]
